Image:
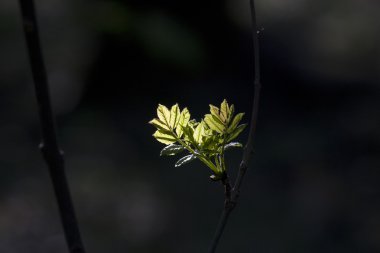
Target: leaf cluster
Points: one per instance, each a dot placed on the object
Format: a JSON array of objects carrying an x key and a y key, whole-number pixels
[{"x": 206, "y": 140}]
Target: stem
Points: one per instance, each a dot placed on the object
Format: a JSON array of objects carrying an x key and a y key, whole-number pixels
[
  {"x": 222, "y": 223},
  {"x": 49, "y": 146},
  {"x": 192, "y": 151},
  {"x": 228, "y": 206},
  {"x": 248, "y": 150},
  {"x": 216, "y": 158},
  {"x": 222, "y": 163},
  {"x": 227, "y": 188}
]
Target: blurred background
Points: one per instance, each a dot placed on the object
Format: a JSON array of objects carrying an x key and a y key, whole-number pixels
[{"x": 313, "y": 184}]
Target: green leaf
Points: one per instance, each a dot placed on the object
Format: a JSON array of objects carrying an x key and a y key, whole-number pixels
[
  {"x": 214, "y": 123},
  {"x": 193, "y": 123},
  {"x": 235, "y": 122},
  {"x": 172, "y": 149},
  {"x": 174, "y": 116},
  {"x": 185, "y": 159},
  {"x": 214, "y": 111},
  {"x": 231, "y": 113},
  {"x": 224, "y": 111},
  {"x": 199, "y": 132},
  {"x": 210, "y": 152},
  {"x": 164, "y": 137},
  {"x": 211, "y": 144},
  {"x": 159, "y": 124},
  {"x": 236, "y": 132},
  {"x": 182, "y": 122},
  {"x": 189, "y": 134},
  {"x": 233, "y": 145},
  {"x": 207, "y": 141},
  {"x": 163, "y": 114}
]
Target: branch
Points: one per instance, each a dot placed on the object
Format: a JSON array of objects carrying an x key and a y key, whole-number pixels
[
  {"x": 230, "y": 202},
  {"x": 49, "y": 146},
  {"x": 248, "y": 150}
]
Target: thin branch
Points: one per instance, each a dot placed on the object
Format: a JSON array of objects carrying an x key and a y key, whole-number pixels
[
  {"x": 49, "y": 146},
  {"x": 228, "y": 206},
  {"x": 227, "y": 187},
  {"x": 219, "y": 230},
  {"x": 230, "y": 203}
]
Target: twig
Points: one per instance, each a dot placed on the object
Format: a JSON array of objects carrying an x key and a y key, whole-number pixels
[
  {"x": 230, "y": 202},
  {"x": 227, "y": 187},
  {"x": 49, "y": 146}
]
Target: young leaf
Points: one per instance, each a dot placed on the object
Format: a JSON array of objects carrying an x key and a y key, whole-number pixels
[
  {"x": 185, "y": 159},
  {"x": 207, "y": 141},
  {"x": 164, "y": 137},
  {"x": 231, "y": 113},
  {"x": 224, "y": 111},
  {"x": 199, "y": 132},
  {"x": 214, "y": 123},
  {"x": 235, "y": 122},
  {"x": 182, "y": 122},
  {"x": 174, "y": 116},
  {"x": 159, "y": 124},
  {"x": 193, "y": 123},
  {"x": 163, "y": 114},
  {"x": 214, "y": 111},
  {"x": 172, "y": 149},
  {"x": 236, "y": 132},
  {"x": 233, "y": 145},
  {"x": 189, "y": 134}
]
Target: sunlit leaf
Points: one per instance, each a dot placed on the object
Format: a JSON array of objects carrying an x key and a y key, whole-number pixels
[
  {"x": 159, "y": 124},
  {"x": 199, "y": 132},
  {"x": 189, "y": 134},
  {"x": 193, "y": 123},
  {"x": 214, "y": 123},
  {"x": 183, "y": 120},
  {"x": 210, "y": 152},
  {"x": 233, "y": 145},
  {"x": 235, "y": 122},
  {"x": 163, "y": 114},
  {"x": 205, "y": 140},
  {"x": 185, "y": 159},
  {"x": 214, "y": 111},
  {"x": 236, "y": 132},
  {"x": 224, "y": 111},
  {"x": 172, "y": 149},
  {"x": 174, "y": 116},
  {"x": 231, "y": 112},
  {"x": 164, "y": 137},
  {"x": 207, "y": 136},
  {"x": 211, "y": 143}
]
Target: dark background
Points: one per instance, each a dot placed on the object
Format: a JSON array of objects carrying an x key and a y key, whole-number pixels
[{"x": 313, "y": 182}]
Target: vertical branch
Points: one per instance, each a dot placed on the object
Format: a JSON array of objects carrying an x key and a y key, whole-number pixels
[
  {"x": 49, "y": 146},
  {"x": 230, "y": 202},
  {"x": 248, "y": 149}
]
